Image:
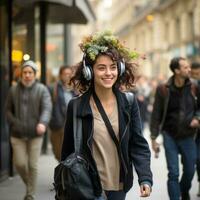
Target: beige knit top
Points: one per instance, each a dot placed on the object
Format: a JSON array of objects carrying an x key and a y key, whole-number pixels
[{"x": 104, "y": 150}]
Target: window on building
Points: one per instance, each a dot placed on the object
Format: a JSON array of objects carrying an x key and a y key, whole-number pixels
[
  {"x": 191, "y": 26},
  {"x": 177, "y": 31},
  {"x": 166, "y": 34}
]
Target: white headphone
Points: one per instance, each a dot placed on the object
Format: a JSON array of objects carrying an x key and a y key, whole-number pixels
[
  {"x": 88, "y": 73},
  {"x": 87, "y": 70}
]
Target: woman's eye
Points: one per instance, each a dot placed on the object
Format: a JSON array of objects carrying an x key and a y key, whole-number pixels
[
  {"x": 113, "y": 67},
  {"x": 101, "y": 68}
]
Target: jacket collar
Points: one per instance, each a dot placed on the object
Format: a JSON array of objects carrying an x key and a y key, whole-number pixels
[
  {"x": 121, "y": 99},
  {"x": 170, "y": 82},
  {"x": 27, "y": 87},
  {"x": 84, "y": 108}
]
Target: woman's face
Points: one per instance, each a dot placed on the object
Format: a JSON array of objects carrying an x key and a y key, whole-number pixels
[{"x": 105, "y": 72}]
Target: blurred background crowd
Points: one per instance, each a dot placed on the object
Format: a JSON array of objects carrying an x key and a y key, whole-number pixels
[{"x": 49, "y": 32}]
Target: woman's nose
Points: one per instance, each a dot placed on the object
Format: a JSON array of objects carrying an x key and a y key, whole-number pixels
[{"x": 108, "y": 71}]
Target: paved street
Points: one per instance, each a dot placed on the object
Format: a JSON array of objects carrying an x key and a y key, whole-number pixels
[
  {"x": 160, "y": 179},
  {"x": 13, "y": 189}
]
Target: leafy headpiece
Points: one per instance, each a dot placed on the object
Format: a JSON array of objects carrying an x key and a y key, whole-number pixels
[{"x": 100, "y": 42}]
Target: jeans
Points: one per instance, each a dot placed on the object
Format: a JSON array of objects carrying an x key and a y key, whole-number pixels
[
  {"x": 26, "y": 154},
  {"x": 187, "y": 149},
  {"x": 198, "y": 155},
  {"x": 115, "y": 195}
]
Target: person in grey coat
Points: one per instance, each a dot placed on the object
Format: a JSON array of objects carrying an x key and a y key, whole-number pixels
[{"x": 28, "y": 113}]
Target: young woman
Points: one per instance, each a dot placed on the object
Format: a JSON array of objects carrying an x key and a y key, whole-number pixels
[{"x": 105, "y": 67}]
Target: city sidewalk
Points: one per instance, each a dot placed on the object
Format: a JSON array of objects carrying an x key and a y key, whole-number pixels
[{"x": 13, "y": 188}]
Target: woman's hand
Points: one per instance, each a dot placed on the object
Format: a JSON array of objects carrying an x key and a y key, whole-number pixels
[{"x": 145, "y": 190}]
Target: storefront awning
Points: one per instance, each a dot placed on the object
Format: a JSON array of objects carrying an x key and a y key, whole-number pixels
[{"x": 58, "y": 11}]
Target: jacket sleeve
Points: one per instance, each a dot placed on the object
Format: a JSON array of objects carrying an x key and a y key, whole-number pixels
[
  {"x": 68, "y": 141},
  {"x": 46, "y": 107},
  {"x": 157, "y": 113},
  {"x": 197, "y": 98},
  {"x": 10, "y": 107},
  {"x": 138, "y": 147}
]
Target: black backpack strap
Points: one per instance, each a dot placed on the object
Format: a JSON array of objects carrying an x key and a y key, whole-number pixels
[
  {"x": 109, "y": 128},
  {"x": 107, "y": 122},
  {"x": 77, "y": 128},
  {"x": 164, "y": 90},
  {"x": 129, "y": 97}
]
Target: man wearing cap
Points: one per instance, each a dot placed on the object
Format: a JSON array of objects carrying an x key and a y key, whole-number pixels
[{"x": 28, "y": 112}]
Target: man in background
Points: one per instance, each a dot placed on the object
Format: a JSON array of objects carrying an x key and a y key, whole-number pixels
[
  {"x": 28, "y": 112},
  {"x": 176, "y": 114}
]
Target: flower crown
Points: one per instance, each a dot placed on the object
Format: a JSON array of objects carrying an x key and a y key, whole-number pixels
[{"x": 101, "y": 42}]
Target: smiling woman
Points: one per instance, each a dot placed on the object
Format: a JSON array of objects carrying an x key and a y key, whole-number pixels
[
  {"x": 111, "y": 127},
  {"x": 105, "y": 43}
]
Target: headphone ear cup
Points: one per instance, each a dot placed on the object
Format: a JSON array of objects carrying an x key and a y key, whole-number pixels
[
  {"x": 87, "y": 72},
  {"x": 121, "y": 67}
]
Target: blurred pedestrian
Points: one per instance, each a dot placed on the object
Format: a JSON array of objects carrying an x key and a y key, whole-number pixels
[
  {"x": 61, "y": 93},
  {"x": 104, "y": 68},
  {"x": 195, "y": 74},
  {"x": 142, "y": 93},
  {"x": 176, "y": 115},
  {"x": 28, "y": 113},
  {"x": 195, "y": 71}
]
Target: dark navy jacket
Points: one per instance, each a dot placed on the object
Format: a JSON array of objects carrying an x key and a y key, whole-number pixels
[
  {"x": 134, "y": 147},
  {"x": 190, "y": 108}
]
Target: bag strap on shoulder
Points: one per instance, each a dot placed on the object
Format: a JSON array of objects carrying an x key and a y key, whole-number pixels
[
  {"x": 77, "y": 128},
  {"x": 107, "y": 122},
  {"x": 164, "y": 90},
  {"x": 129, "y": 97}
]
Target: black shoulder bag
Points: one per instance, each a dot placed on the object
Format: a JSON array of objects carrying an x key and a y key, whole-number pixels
[{"x": 72, "y": 180}]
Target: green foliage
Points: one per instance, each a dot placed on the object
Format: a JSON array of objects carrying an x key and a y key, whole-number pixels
[{"x": 101, "y": 42}]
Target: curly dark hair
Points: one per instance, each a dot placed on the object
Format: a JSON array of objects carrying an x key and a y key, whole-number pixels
[{"x": 127, "y": 79}]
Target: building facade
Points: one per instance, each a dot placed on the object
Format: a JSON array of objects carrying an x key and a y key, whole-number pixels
[
  {"x": 169, "y": 29},
  {"x": 161, "y": 29}
]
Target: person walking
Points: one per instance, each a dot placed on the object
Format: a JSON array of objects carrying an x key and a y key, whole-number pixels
[
  {"x": 106, "y": 65},
  {"x": 28, "y": 112},
  {"x": 176, "y": 114},
  {"x": 195, "y": 74},
  {"x": 61, "y": 93}
]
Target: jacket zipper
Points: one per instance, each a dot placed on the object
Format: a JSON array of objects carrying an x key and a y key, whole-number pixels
[
  {"x": 123, "y": 135},
  {"x": 123, "y": 162},
  {"x": 92, "y": 156}
]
